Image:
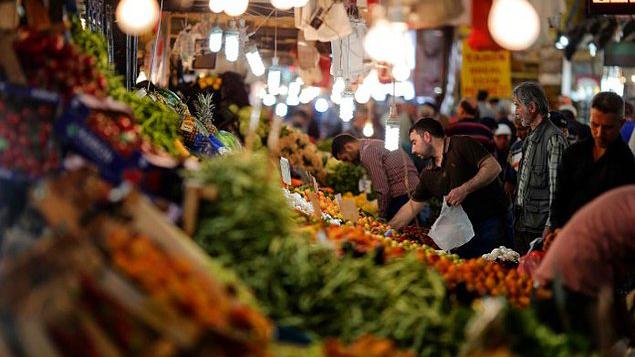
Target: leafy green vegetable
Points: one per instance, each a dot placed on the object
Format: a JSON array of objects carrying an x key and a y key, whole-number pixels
[{"x": 344, "y": 177}]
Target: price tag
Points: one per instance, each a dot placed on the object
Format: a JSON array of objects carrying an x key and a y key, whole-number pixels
[
  {"x": 349, "y": 210},
  {"x": 338, "y": 199},
  {"x": 188, "y": 124},
  {"x": 285, "y": 171},
  {"x": 315, "y": 202}
]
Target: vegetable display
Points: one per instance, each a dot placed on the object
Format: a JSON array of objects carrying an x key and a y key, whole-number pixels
[{"x": 344, "y": 177}]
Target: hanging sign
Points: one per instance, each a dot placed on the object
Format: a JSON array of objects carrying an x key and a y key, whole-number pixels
[
  {"x": 611, "y": 7},
  {"x": 486, "y": 70}
]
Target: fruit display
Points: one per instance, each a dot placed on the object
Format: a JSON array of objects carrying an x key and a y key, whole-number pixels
[
  {"x": 343, "y": 177},
  {"x": 362, "y": 202},
  {"x": 27, "y": 146},
  {"x": 159, "y": 123},
  {"x": 175, "y": 282},
  {"x": 418, "y": 235},
  {"x": 365, "y": 346},
  {"x": 117, "y": 129},
  {"x": 301, "y": 152},
  {"x": 327, "y": 204},
  {"x": 52, "y": 63}
]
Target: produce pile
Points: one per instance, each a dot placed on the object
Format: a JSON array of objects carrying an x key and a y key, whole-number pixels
[{"x": 343, "y": 177}]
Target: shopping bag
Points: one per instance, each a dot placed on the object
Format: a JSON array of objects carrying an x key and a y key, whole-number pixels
[{"x": 452, "y": 229}]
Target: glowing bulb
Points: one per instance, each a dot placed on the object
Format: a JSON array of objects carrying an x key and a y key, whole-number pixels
[
  {"x": 387, "y": 41},
  {"x": 283, "y": 4},
  {"x": 232, "y": 45},
  {"x": 321, "y": 105},
  {"x": 391, "y": 142},
  {"x": 283, "y": 90},
  {"x": 281, "y": 110},
  {"x": 216, "y": 39},
  {"x": 336, "y": 98},
  {"x": 293, "y": 101},
  {"x": 338, "y": 85},
  {"x": 300, "y": 3},
  {"x": 514, "y": 24},
  {"x": 347, "y": 107},
  {"x": 400, "y": 72},
  {"x": 362, "y": 94},
  {"x": 294, "y": 89},
  {"x": 255, "y": 61},
  {"x": 236, "y": 7},
  {"x": 217, "y": 6},
  {"x": 269, "y": 99},
  {"x": 368, "y": 130},
  {"x": 593, "y": 49},
  {"x": 378, "y": 93},
  {"x": 136, "y": 17},
  {"x": 273, "y": 77}
]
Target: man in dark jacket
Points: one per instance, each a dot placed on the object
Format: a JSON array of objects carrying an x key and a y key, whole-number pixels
[
  {"x": 594, "y": 166},
  {"x": 537, "y": 175}
]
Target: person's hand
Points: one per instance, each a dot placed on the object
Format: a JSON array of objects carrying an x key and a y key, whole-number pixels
[{"x": 456, "y": 196}]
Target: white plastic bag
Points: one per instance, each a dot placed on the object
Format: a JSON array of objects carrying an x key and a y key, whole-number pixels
[{"x": 452, "y": 229}]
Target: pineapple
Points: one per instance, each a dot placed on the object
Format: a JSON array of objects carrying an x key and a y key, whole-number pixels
[{"x": 205, "y": 107}]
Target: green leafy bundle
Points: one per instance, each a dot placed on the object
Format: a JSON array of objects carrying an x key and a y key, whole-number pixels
[
  {"x": 158, "y": 122},
  {"x": 344, "y": 177}
]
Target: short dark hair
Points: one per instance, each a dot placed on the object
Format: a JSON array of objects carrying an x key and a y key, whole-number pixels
[
  {"x": 558, "y": 119},
  {"x": 428, "y": 125},
  {"x": 532, "y": 92},
  {"x": 482, "y": 95},
  {"x": 468, "y": 108},
  {"x": 338, "y": 144},
  {"x": 609, "y": 103},
  {"x": 301, "y": 113}
]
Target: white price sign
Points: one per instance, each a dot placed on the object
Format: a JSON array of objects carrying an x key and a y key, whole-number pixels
[{"x": 285, "y": 171}]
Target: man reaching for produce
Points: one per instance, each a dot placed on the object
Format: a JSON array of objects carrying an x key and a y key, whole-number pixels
[
  {"x": 392, "y": 173},
  {"x": 465, "y": 172}
]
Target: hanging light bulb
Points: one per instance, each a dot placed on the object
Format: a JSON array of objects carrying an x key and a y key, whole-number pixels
[
  {"x": 273, "y": 77},
  {"x": 338, "y": 85},
  {"x": 387, "y": 41},
  {"x": 514, "y": 24},
  {"x": 217, "y": 6},
  {"x": 232, "y": 42},
  {"x": 362, "y": 94},
  {"x": 347, "y": 106},
  {"x": 294, "y": 89},
  {"x": 236, "y": 7},
  {"x": 136, "y": 17},
  {"x": 269, "y": 99},
  {"x": 300, "y": 3},
  {"x": 368, "y": 130},
  {"x": 255, "y": 61},
  {"x": 293, "y": 101},
  {"x": 283, "y": 4},
  {"x": 281, "y": 109},
  {"x": 321, "y": 105},
  {"x": 215, "y": 39},
  {"x": 400, "y": 72}
]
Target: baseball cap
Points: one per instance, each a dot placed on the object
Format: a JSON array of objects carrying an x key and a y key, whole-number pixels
[
  {"x": 570, "y": 108},
  {"x": 558, "y": 119},
  {"x": 503, "y": 129}
]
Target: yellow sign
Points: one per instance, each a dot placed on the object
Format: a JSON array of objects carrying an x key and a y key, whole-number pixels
[{"x": 488, "y": 70}]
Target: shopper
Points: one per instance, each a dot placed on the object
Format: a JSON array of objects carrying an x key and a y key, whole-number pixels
[
  {"x": 468, "y": 124},
  {"x": 502, "y": 143},
  {"x": 577, "y": 131},
  {"x": 484, "y": 108},
  {"x": 465, "y": 174},
  {"x": 592, "y": 167},
  {"x": 629, "y": 124},
  {"x": 303, "y": 121},
  {"x": 594, "y": 251},
  {"x": 392, "y": 173},
  {"x": 560, "y": 121},
  {"x": 542, "y": 152},
  {"x": 515, "y": 155}
]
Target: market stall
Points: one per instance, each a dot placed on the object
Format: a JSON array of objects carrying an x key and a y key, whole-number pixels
[{"x": 182, "y": 215}]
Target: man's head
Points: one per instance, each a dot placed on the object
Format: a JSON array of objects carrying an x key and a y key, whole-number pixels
[
  {"x": 531, "y": 103},
  {"x": 427, "y": 110},
  {"x": 467, "y": 109},
  {"x": 422, "y": 134},
  {"x": 345, "y": 147},
  {"x": 607, "y": 117},
  {"x": 502, "y": 137},
  {"x": 482, "y": 95}
]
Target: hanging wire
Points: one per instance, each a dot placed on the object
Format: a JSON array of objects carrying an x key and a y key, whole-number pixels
[
  {"x": 156, "y": 45},
  {"x": 275, "y": 37}
]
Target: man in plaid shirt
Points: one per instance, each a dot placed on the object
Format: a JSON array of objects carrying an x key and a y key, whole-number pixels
[
  {"x": 392, "y": 173},
  {"x": 537, "y": 175}
]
